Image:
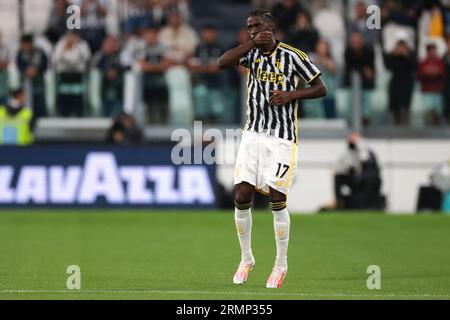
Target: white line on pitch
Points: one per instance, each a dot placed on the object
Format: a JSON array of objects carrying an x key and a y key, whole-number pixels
[{"x": 231, "y": 293}]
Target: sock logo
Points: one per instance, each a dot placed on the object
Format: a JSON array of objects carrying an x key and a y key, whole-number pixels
[{"x": 280, "y": 233}]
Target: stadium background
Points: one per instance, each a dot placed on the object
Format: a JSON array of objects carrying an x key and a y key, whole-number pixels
[
  {"x": 219, "y": 99},
  {"x": 77, "y": 162}
]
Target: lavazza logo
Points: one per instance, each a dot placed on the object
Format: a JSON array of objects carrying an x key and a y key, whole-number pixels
[{"x": 101, "y": 176}]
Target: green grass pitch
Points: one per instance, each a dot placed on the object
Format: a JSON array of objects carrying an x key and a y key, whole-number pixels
[{"x": 156, "y": 255}]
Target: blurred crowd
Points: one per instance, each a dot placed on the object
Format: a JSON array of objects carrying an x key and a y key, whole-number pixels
[{"x": 157, "y": 36}]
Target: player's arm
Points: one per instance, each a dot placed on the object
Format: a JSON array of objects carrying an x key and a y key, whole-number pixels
[
  {"x": 232, "y": 56},
  {"x": 148, "y": 67},
  {"x": 317, "y": 89}
]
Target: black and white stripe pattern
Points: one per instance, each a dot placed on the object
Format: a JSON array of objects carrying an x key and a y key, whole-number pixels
[{"x": 278, "y": 70}]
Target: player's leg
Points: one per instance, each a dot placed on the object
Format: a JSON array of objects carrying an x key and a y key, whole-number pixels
[
  {"x": 243, "y": 219},
  {"x": 281, "y": 223},
  {"x": 245, "y": 180},
  {"x": 279, "y": 173}
]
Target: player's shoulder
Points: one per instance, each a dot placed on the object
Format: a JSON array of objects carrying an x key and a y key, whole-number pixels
[{"x": 292, "y": 51}]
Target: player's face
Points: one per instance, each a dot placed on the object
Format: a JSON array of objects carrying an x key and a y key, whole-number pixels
[{"x": 258, "y": 24}]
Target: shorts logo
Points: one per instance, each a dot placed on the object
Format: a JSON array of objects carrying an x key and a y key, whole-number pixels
[{"x": 237, "y": 172}]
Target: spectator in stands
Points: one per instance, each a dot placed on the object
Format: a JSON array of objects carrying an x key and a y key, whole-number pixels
[
  {"x": 360, "y": 58},
  {"x": 447, "y": 81},
  {"x": 16, "y": 121},
  {"x": 436, "y": 195},
  {"x": 235, "y": 83},
  {"x": 70, "y": 59},
  {"x": 357, "y": 180},
  {"x": 108, "y": 62},
  {"x": 323, "y": 59},
  {"x": 57, "y": 21},
  {"x": 432, "y": 78},
  {"x": 359, "y": 24},
  {"x": 180, "y": 6},
  {"x": 32, "y": 63},
  {"x": 153, "y": 63},
  {"x": 436, "y": 26},
  {"x": 445, "y": 6},
  {"x": 134, "y": 44},
  {"x": 4, "y": 62},
  {"x": 124, "y": 131},
  {"x": 134, "y": 15},
  {"x": 208, "y": 99},
  {"x": 93, "y": 21},
  {"x": 401, "y": 61},
  {"x": 179, "y": 38},
  {"x": 303, "y": 35},
  {"x": 285, "y": 14},
  {"x": 141, "y": 14},
  {"x": 405, "y": 13}
]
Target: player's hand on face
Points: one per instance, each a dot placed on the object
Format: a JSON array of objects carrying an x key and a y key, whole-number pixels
[
  {"x": 262, "y": 38},
  {"x": 279, "y": 98}
]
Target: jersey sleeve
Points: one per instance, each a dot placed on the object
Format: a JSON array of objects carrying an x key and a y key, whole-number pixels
[
  {"x": 304, "y": 68},
  {"x": 245, "y": 61}
]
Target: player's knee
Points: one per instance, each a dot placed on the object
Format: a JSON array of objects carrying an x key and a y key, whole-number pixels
[
  {"x": 243, "y": 194},
  {"x": 276, "y": 196},
  {"x": 242, "y": 200}
]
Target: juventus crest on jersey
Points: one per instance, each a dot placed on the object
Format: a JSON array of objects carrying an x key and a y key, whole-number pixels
[{"x": 280, "y": 69}]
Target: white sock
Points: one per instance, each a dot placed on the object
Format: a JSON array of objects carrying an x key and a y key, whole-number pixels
[
  {"x": 281, "y": 223},
  {"x": 243, "y": 220}
]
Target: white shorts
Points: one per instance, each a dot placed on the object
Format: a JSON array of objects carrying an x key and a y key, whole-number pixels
[{"x": 266, "y": 161}]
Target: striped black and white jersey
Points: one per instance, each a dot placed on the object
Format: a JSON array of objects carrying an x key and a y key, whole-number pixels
[{"x": 280, "y": 69}]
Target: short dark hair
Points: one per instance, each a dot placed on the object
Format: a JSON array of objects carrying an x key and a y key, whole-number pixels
[
  {"x": 27, "y": 38},
  {"x": 262, "y": 13},
  {"x": 152, "y": 27},
  {"x": 16, "y": 92},
  {"x": 431, "y": 46},
  {"x": 209, "y": 26}
]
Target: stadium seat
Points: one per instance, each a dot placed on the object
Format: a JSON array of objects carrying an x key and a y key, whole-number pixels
[
  {"x": 9, "y": 23},
  {"x": 36, "y": 13},
  {"x": 50, "y": 92},
  {"x": 417, "y": 115},
  {"x": 331, "y": 26},
  {"x": 180, "y": 99},
  {"x": 94, "y": 92},
  {"x": 133, "y": 103}
]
